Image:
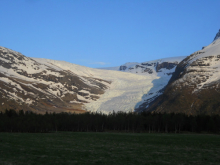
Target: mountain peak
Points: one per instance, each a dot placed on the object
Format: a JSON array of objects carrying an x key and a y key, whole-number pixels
[{"x": 217, "y": 35}]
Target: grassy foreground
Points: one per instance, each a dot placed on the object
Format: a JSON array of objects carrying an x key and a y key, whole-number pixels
[{"x": 108, "y": 148}]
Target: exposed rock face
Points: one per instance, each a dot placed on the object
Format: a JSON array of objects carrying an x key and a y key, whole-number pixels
[
  {"x": 194, "y": 87},
  {"x": 32, "y": 86},
  {"x": 122, "y": 68},
  {"x": 151, "y": 66},
  {"x": 217, "y": 35},
  {"x": 166, "y": 65}
]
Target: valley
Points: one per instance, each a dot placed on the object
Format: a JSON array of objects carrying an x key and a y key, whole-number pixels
[{"x": 178, "y": 84}]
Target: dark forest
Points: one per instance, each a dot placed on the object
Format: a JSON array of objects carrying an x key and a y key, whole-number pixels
[{"x": 12, "y": 121}]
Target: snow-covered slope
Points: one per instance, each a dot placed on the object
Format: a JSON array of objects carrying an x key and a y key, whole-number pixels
[
  {"x": 195, "y": 86},
  {"x": 149, "y": 67},
  {"x": 39, "y": 85},
  {"x": 203, "y": 67}
]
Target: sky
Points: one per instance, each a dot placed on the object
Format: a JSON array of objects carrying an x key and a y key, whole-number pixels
[{"x": 107, "y": 33}]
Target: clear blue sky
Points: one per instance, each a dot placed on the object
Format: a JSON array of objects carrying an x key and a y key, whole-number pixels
[{"x": 103, "y": 33}]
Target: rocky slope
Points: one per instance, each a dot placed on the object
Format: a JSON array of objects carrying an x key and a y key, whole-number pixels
[
  {"x": 195, "y": 85},
  {"x": 31, "y": 85}
]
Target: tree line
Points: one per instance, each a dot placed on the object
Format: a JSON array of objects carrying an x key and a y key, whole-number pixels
[{"x": 12, "y": 121}]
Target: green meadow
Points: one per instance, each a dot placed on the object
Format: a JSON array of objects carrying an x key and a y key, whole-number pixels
[{"x": 108, "y": 148}]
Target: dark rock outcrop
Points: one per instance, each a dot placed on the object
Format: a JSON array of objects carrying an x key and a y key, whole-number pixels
[
  {"x": 217, "y": 35},
  {"x": 122, "y": 68}
]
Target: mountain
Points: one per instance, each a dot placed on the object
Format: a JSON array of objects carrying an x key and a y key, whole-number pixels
[
  {"x": 43, "y": 85},
  {"x": 189, "y": 85},
  {"x": 194, "y": 87}
]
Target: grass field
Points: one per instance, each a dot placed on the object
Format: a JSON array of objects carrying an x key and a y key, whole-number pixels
[{"x": 108, "y": 148}]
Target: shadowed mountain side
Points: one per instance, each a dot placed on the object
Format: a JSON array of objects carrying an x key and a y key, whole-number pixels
[
  {"x": 195, "y": 85},
  {"x": 184, "y": 101},
  {"x": 154, "y": 92}
]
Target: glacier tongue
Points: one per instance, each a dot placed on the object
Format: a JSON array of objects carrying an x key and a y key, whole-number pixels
[
  {"x": 125, "y": 91},
  {"x": 156, "y": 74}
]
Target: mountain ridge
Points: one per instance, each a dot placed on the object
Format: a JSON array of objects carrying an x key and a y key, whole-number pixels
[{"x": 195, "y": 85}]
